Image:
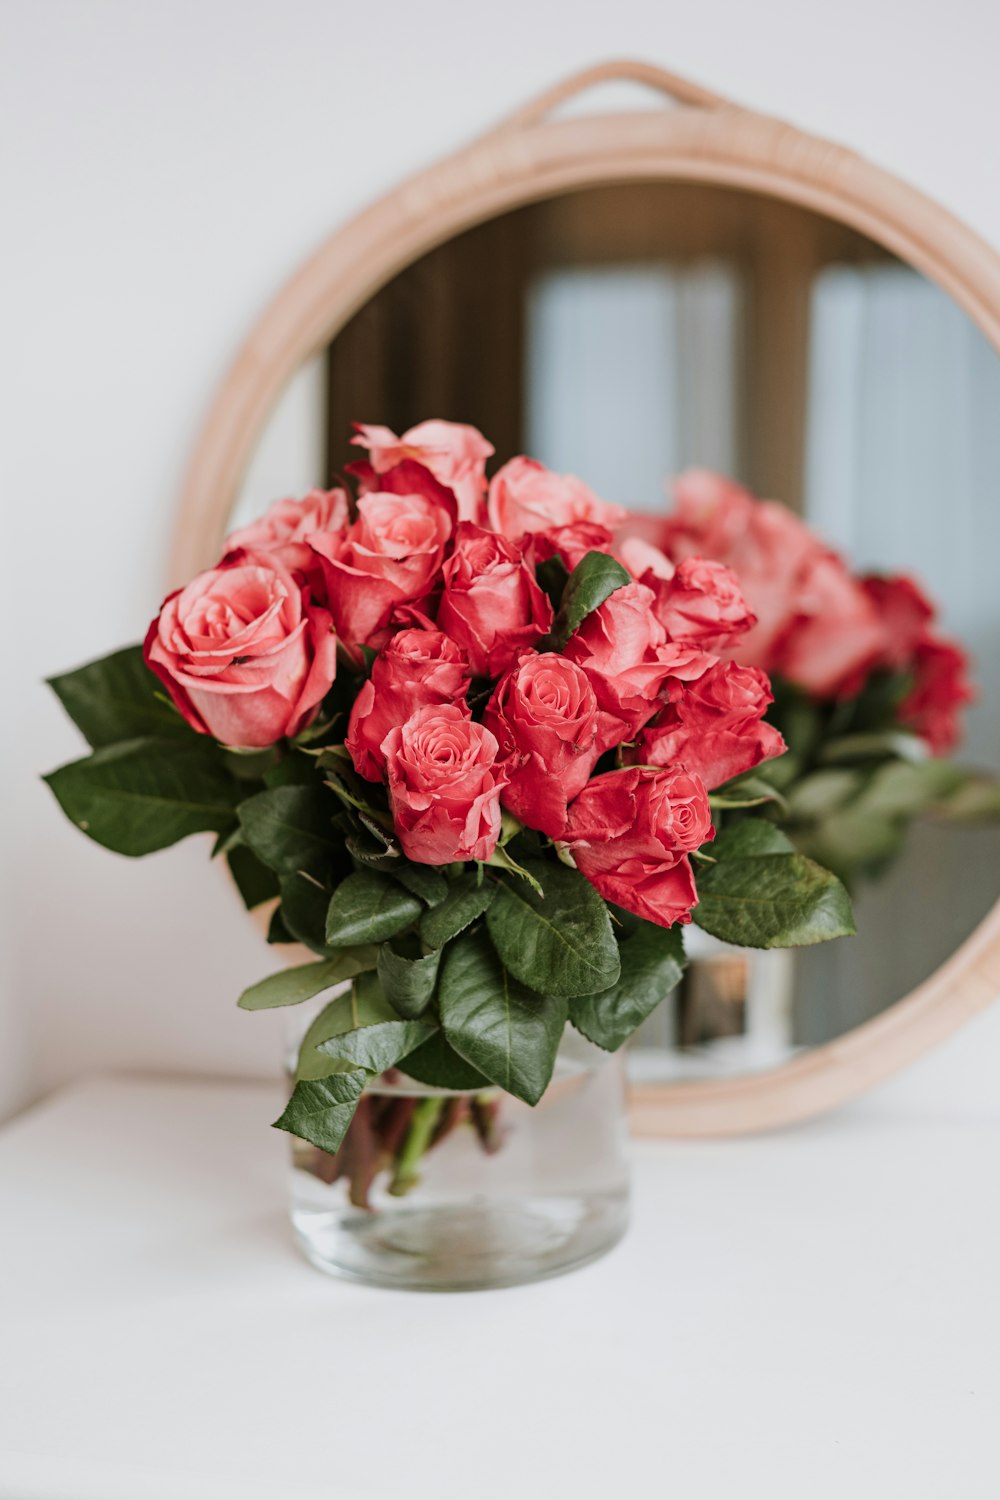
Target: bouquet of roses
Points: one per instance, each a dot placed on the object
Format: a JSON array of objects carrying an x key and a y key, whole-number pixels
[
  {"x": 869, "y": 693},
  {"x": 478, "y": 764}
]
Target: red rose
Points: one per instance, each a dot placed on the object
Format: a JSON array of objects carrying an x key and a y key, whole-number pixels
[
  {"x": 905, "y": 613},
  {"x": 712, "y": 726},
  {"x": 491, "y": 604},
  {"x": 282, "y": 530},
  {"x": 526, "y": 496},
  {"x": 630, "y": 833},
  {"x": 835, "y": 639},
  {"x": 444, "y": 786},
  {"x": 940, "y": 688},
  {"x": 389, "y": 556},
  {"x": 416, "y": 669},
  {"x": 544, "y": 717},
  {"x": 243, "y": 653},
  {"x": 455, "y": 454},
  {"x": 624, "y": 651},
  {"x": 701, "y": 604}
]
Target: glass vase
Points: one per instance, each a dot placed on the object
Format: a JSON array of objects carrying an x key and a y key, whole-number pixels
[{"x": 435, "y": 1189}]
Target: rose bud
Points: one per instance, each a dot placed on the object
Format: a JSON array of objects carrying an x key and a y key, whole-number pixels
[
  {"x": 940, "y": 688},
  {"x": 282, "y": 530},
  {"x": 701, "y": 604},
  {"x": 491, "y": 604},
  {"x": 444, "y": 786},
  {"x": 455, "y": 454},
  {"x": 544, "y": 716},
  {"x": 244, "y": 654},
  {"x": 712, "y": 726},
  {"x": 625, "y": 653},
  {"x": 525, "y": 496},
  {"x": 630, "y": 832},
  {"x": 416, "y": 669},
  {"x": 389, "y": 556}
]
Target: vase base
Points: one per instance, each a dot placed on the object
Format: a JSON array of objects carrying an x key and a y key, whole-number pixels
[{"x": 466, "y": 1246}]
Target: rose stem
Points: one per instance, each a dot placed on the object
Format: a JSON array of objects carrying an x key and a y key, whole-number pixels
[
  {"x": 453, "y": 1113},
  {"x": 484, "y": 1116},
  {"x": 362, "y": 1155},
  {"x": 392, "y": 1127},
  {"x": 418, "y": 1138}
]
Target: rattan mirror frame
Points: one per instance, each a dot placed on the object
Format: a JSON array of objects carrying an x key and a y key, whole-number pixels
[{"x": 529, "y": 157}]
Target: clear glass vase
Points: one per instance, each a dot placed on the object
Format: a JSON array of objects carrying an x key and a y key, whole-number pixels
[{"x": 447, "y": 1191}]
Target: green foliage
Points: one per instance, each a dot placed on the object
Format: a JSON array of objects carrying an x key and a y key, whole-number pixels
[
  {"x": 145, "y": 794},
  {"x": 320, "y": 1110},
  {"x": 367, "y": 908},
  {"x": 507, "y": 1031},
  {"x": 119, "y": 698},
  {"x": 466, "y": 900},
  {"x": 652, "y": 960},
  {"x": 558, "y": 943},
  {"x": 595, "y": 578},
  {"x": 254, "y": 881},
  {"x": 304, "y": 903},
  {"x": 771, "y": 901},
  {"x": 292, "y": 986},
  {"x": 363, "y": 1004},
  {"x": 439, "y": 1066},
  {"x": 290, "y": 828},
  {"x": 421, "y": 880},
  {"x": 409, "y": 982}
]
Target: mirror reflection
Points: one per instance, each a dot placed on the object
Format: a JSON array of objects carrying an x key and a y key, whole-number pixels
[{"x": 632, "y": 332}]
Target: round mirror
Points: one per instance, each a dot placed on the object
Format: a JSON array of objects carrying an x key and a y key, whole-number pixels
[{"x": 626, "y": 323}]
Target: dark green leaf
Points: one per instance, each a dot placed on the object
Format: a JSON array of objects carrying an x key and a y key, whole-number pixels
[
  {"x": 551, "y": 576},
  {"x": 746, "y": 791},
  {"x": 363, "y": 1004},
  {"x": 652, "y": 965},
  {"x": 254, "y": 881},
  {"x": 289, "y": 828},
  {"x": 464, "y": 902},
  {"x": 320, "y": 1110},
  {"x": 408, "y": 982},
  {"x": 277, "y": 932},
  {"x": 561, "y": 943},
  {"x": 292, "y": 986},
  {"x": 752, "y": 836},
  {"x": 423, "y": 881},
  {"x": 367, "y": 908},
  {"x": 594, "y": 579},
  {"x": 304, "y": 903},
  {"x": 116, "y": 699},
  {"x": 510, "y": 1033},
  {"x": 143, "y": 795},
  {"x": 439, "y": 1066},
  {"x": 378, "y": 1047},
  {"x": 772, "y": 901},
  {"x": 291, "y": 770}
]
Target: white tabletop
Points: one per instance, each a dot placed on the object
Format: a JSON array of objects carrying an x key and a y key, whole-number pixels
[{"x": 810, "y": 1314}]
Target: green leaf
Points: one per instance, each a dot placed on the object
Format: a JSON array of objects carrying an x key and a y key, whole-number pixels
[
  {"x": 423, "y": 881},
  {"x": 292, "y": 986},
  {"x": 143, "y": 795},
  {"x": 772, "y": 901},
  {"x": 320, "y": 1110},
  {"x": 821, "y": 793},
  {"x": 439, "y": 1066},
  {"x": 510, "y": 1033},
  {"x": 752, "y": 836},
  {"x": 378, "y": 1047},
  {"x": 975, "y": 799},
  {"x": 652, "y": 965},
  {"x": 289, "y": 828},
  {"x": 408, "y": 982},
  {"x": 117, "y": 698},
  {"x": 464, "y": 902},
  {"x": 363, "y": 1004},
  {"x": 277, "y": 932},
  {"x": 254, "y": 881},
  {"x": 368, "y": 907},
  {"x": 595, "y": 578},
  {"x": 892, "y": 742},
  {"x": 902, "y": 789},
  {"x": 303, "y": 908},
  {"x": 561, "y": 943},
  {"x": 746, "y": 791}
]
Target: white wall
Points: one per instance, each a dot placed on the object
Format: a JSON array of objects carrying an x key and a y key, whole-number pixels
[{"x": 165, "y": 166}]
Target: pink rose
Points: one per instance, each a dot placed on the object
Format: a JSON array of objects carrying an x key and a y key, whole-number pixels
[
  {"x": 702, "y": 604},
  {"x": 283, "y": 528},
  {"x": 525, "y": 496},
  {"x": 455, "y": 454},
  {"x": 491, "y": 604},
  {"x": 940, "y": 688},
  {"x": 630, "y": 832},
  {"x": 544, "y": 716},
  {"x": 243, "y": 653},
  {"x": 640, "y": 556},
  {"x": 835, "y": 637},
  {"x": 444, "y": 786},
  {"x": 390, "y": 556},
  {"x": 416, "y": 669},
  {"x": 623, "y": 649},
  {"x": 570, "y": 543},
  {"x": 712, "y": 726}
]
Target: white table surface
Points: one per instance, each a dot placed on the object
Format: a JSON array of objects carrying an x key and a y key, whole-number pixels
[{"x": 809, "y": 1314}]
